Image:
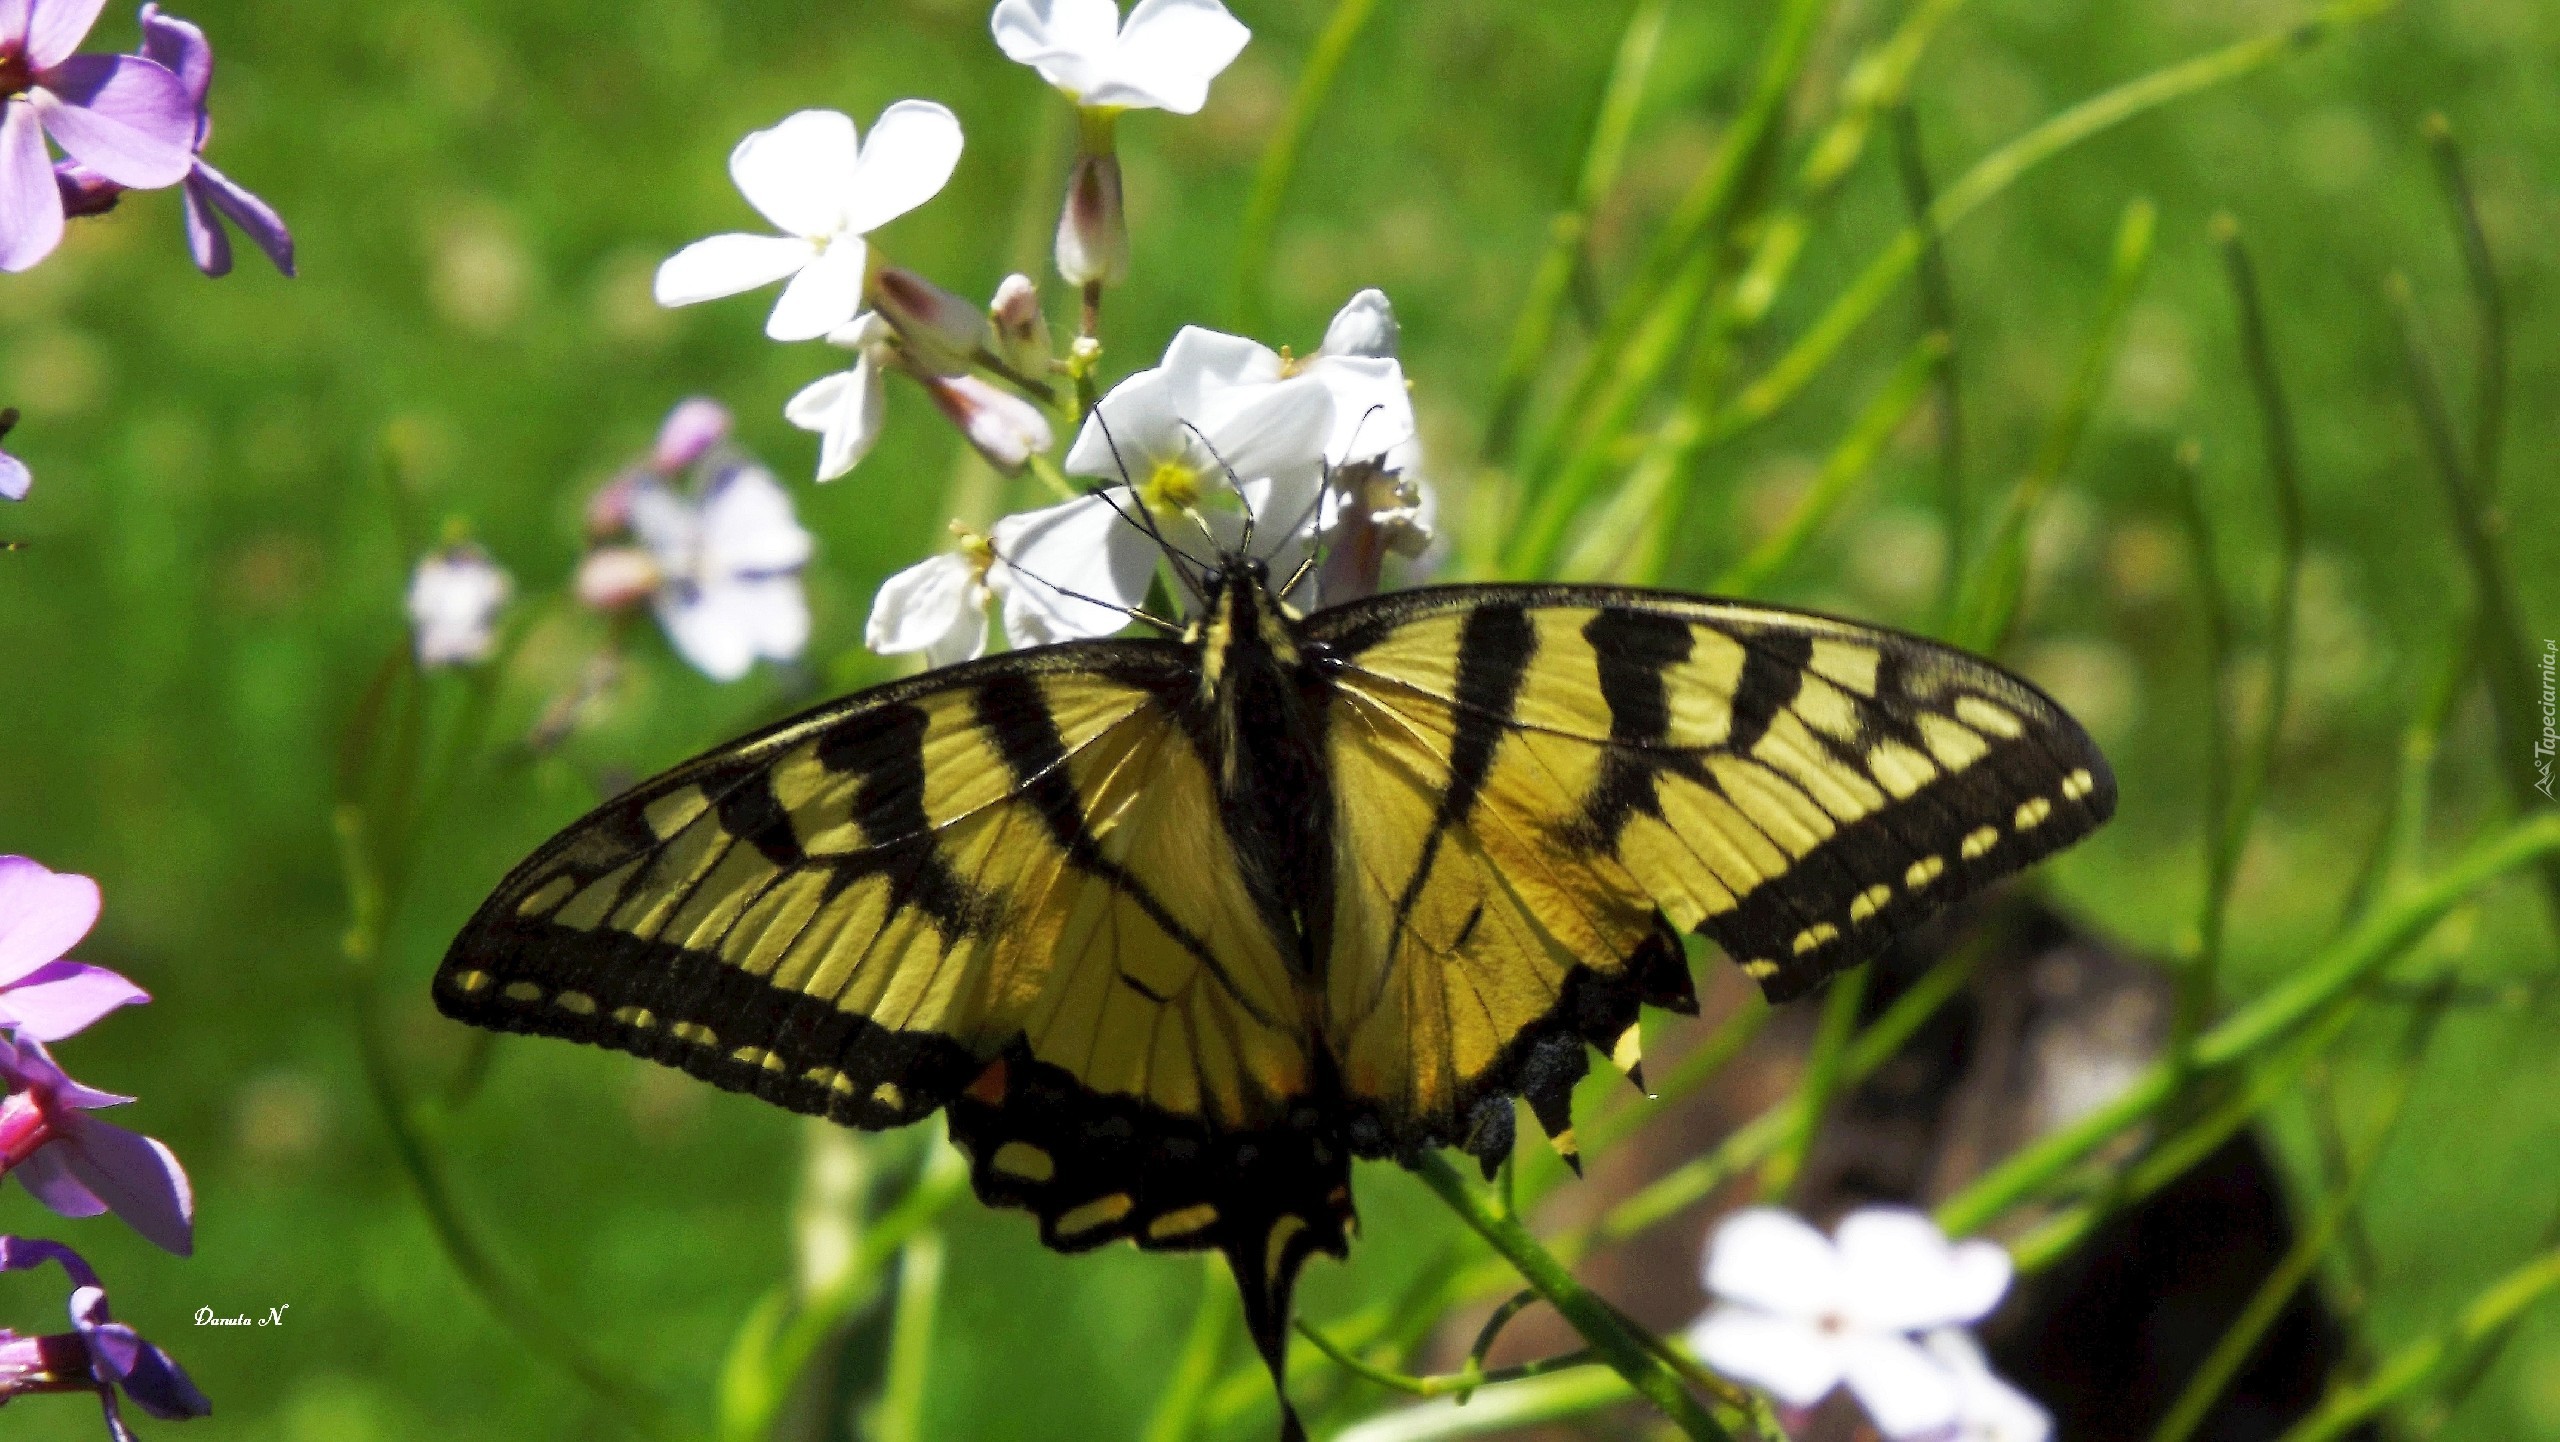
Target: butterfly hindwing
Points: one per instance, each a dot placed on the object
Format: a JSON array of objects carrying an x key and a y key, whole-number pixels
[{"x": 1531, "y": 778}]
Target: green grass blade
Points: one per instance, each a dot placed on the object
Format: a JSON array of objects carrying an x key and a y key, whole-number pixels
[
  {"x": 1997, "y": 588},
  {"x": 2334, "y": 971},
  {"x": 1997, "y": 172},
  {"x": 1551, "y": 284},
  {"x": 1279, "y": 164},
  {"x": 2405, "y": 1373}
]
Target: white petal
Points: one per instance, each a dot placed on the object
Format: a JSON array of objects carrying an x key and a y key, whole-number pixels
[
  {"x": 724, "y": 628},
  {"x": 1271, "y": 430},
  {"x": 800, "y": 174},
  {"x": 728, "y": 265},
  {"x": 668, "y": 524},
  {"x": 935, "y": 606},
  {"x": 1988, "y": 1409},
  {"x": 1201, "y": 362},
  {"x": 1365, "y": 326},
  {"x": 1070, "y": 42},
  {"x": 1790, "y": 1360},
  {"x": 825, "y": 295},
  {"x": 846, "y": 410},
  {"x": 1903, "y": 1388},
  {"x": 1169, "y": 52},
  {"x": 1130, "y": 429},
  {"x": 1773, "y": 1260},
  {"x": 748, "y": 528},
  {"x": 1082, "y": 546},
  {"x": 914, "y": 146},
  {"x": 1900, "y": 1274},
  {"x": 1372, "y": 409}
]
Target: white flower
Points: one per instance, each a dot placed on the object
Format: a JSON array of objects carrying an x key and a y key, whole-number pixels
[
  {"x": 846, "y": 408},
  {"x": 825, "y": 190},
  {"x": 1171, "y": 435},
  {"x": 1988, "y": 1409},
  {"x": 937, "y": 606},
  {"x": 1372, "y": 405},
  {"x": 731, "y": 563},
  {"x": 1800, "y": 1314},
  {"x": 1162, "y": 58},
  {"x": 454, "y": 599},
  {"x": 1002, "y": 426}
]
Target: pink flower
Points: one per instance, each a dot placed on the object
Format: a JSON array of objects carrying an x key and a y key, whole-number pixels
[
  {"x": 99, "y": 1354},
  {"x": 42, "y": 915},
  {"x": 126, "y": 118},
  {"x": 80, "y": 1166}
]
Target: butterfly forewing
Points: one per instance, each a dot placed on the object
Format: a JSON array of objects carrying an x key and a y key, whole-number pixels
[{"x": 1526, "y": 776}]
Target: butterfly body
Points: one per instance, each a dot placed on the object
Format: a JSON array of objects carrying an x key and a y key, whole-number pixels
[{"x": 1175, "y": 928}]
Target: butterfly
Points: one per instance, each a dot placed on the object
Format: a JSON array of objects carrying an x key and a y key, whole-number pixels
[{"x": 1174, "y": 928}]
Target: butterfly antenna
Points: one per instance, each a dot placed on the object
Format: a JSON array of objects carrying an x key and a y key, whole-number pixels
[
  {"x": 1235, "y": 483},
  {"x": 1144, "y": 520},
  {"x": 1134, "y": 613}
]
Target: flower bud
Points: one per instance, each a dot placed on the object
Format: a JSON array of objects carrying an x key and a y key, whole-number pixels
[
  {"x": 691, "y": 430},
  {"x": 1004, "y": 428},
  {"x": 1022, "y": 329},
  {"x": 1364, "y": 327},
  {"x": 85, "y": 191},
  {"x": 617, "y": 578},
  {"x": 609, "y": 509},
  {"x": 1093, "y": 231},
  {"x": 942, "y": 333}
]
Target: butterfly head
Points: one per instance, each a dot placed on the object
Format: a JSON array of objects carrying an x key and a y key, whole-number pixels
[{"x": 1240, "y": 613}]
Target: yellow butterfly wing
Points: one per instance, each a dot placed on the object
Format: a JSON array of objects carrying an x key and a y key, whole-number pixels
[
  {"x": 1002, "y": 888},
  {"x": 1531, "y": 781}
]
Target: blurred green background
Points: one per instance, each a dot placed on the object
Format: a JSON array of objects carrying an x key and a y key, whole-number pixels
[{"x": 481, "y": 189}]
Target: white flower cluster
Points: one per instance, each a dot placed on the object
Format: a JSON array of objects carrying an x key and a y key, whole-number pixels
[{"x": 1879, "y": 1307}]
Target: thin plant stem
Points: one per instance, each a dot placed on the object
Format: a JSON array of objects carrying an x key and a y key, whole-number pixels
[
  {"x": 1995, "y": 173},
  {"x": 1780, "y": 1176},
  {"x": 2198, "y": 981},
  {"x": 1177, "y": 1412},
  {"x": 1571, "y": 1393},
  {"x": 2480, "y": 1359},
  {"x": 2330, "y": 975},
  {"x": 2406, "y": 1372},
  {"x": 1553, "y": 283},
  {"x": 1997, "y": 588},
  {"x": 1624, "y": 1350},
  {"x": 2499, "y": 614},
  {"x": 2488, "y": 302},
  {"x": 1938, "y": 318},
  {"x": 2271, "y": 1077},
  {"x": 1279, "y": 163},
  {"x": 1677, "y": 274},
  {"x": 1457, "y": 1384},
  {"x": 2399, "y": 840},
  {"x": 1850, "y": 462},
  {"x": 2238, "y": 1341},
  {"x": 470, "y": 1257},
  {"x": 900, "y": 1417}
]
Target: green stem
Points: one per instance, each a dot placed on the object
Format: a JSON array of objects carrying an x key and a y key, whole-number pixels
[
  {"x": 1177, "y": 1412},
  {"x": 2276, "y": 1292},
  {"x": 2402, "y": 1374},
  {"x": 1279, "y": 162},
  {"x": 2199, "y": 981},
  {"x": 2501, "y": 618},
  {"x": 2333, "y": 971},
  {"x": 470, "y": 1258},
  {"x": 2002, "y": 168},
  {"x": 1938, "y": 318},
  {"x": 1849, "y": 463},
  {"x": 1599, "y": 1324},
  {"x": 1998, "y": 589},
  {"x": 1821, "y": 1082},
  {"x": 1457, "y": 1384},
  {"x": 2480, "y": 268},
  {"x": 903, "y": 1392},
  {"x": 1551, "y": 284}
]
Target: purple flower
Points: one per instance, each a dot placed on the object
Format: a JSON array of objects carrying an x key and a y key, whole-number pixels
[
  {"x": 78, "y": 1165},
  {"x": 212, "y": 196},
  {"x": 122, "y": 116},
  {"x": 42, "y": 915},
  {"x": 99, "y": 1354},
  {"x": 15, "y": 478}
]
